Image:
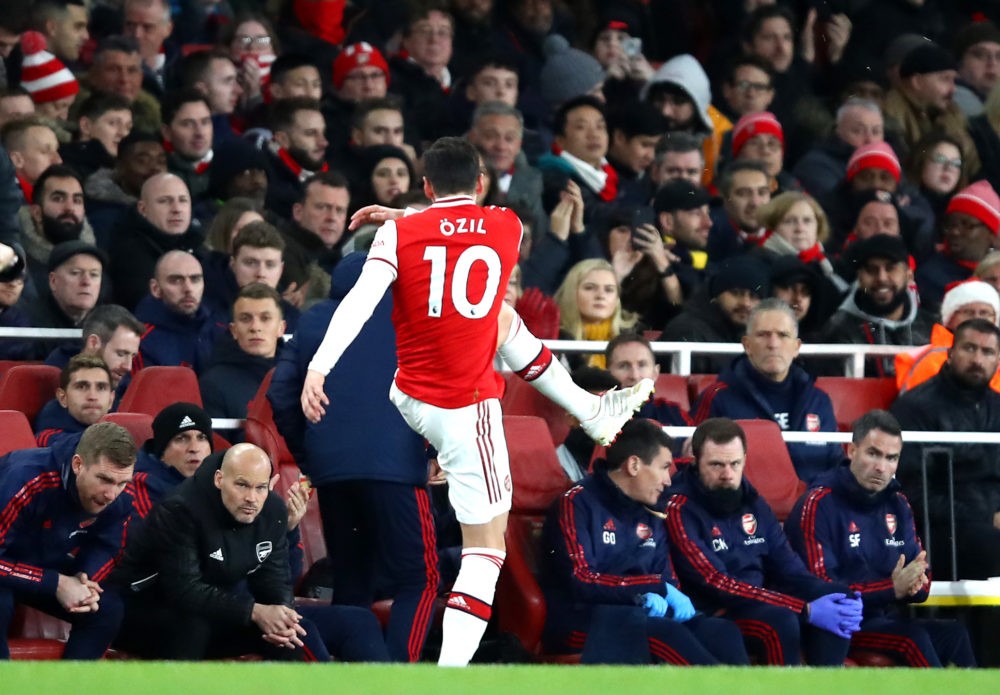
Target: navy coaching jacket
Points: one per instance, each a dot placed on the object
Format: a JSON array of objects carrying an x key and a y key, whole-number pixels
[
  {"x": 739, "y": 394},
  {"x": 735, "y": 558},
  {"x": 363, "y": 436},
  {"x": 54, "y": 422},
  {"x": 44, "y": 531},
  {"x": 602, "y": 547},
  {"x": 846, "y": 534}
]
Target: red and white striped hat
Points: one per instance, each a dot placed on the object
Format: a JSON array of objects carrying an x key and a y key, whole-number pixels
[
  {"x": 980, "y": 201},
  {"x": 874, "y": 155},
  {"x": 751, "y": 124},
  {"x": 42, "y": 74}
]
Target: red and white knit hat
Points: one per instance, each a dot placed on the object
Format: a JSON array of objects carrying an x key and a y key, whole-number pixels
[
  {"x": 874, "y": 155},
  {"x": 42, "y": 74},
  {"x": 763, "y": 123},
  {"x": 966, "y": 292},
  {"x": 980, "y": 201},
  {"x": 355, "y": 56}
]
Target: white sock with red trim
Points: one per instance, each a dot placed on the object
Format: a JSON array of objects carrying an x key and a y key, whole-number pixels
[
  {"x": 534, "y": 363},
  {"x": 470, "y": 605}
]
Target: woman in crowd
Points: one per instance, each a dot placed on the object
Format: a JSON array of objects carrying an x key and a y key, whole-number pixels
[
  {"x": 590, "y": 307},
  {"x": 936, "y": 167}
]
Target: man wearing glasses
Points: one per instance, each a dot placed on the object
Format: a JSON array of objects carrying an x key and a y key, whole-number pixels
[
  {"x": 748, "y": 87},
  {"x": 969, "y": 229},
  {"x": 420, "y": 72}
]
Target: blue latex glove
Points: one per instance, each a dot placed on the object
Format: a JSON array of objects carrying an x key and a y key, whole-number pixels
[
  {"x": 855, "y": 607},
  {"x": 680, "y": 605},
  {"x": 836, "y": 613},
  {"x": 654, "y": 605}
]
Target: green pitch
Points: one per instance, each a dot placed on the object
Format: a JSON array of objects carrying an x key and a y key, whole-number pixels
[{"x": 147, "y": 678}]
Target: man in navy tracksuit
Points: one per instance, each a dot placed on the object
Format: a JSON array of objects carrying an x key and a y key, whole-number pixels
[
  {"x": 83, "y": 397},
  {"x": 207, "y": 575},
  {"x": 733, "y": 559},
  {"x": 62, "y": 525},
  {"x": 855, "y": 526},
  {"x": 609, "y": 589},
  {"x": 368, "y": 467},
  {"x": 766, "y": 384}
]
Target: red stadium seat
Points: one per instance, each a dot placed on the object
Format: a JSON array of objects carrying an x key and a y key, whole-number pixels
[
  {"x": 260, "y": 428},
  {"x": 769, "y": 467},
  {"x": 7, "y": 364},
  {"x": 27, "y": 387},
  {"x": 852, "y": 398},
  {"x": 16, "y": 430},
  {"x": 522, "y": 399},
  {"x": 154, "y": 388},
  {"x": 139, "y": 425},
  {"x": 673, "y": 387},
  {"x": 538, "y": 480},
  {"x": 35, "y": 636},
  {"x": 697, "y": 383}
]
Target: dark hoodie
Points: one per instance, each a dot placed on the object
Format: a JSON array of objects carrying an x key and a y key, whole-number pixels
[
  {"x": 175, "y": 339},
  {"x": 702, "y": 321},
  {"x": 363, "y": 436},
  {"x": 232, "y": 379},
  {"x": 853, "y": 324},
  {"x": 136, "y": 246}
]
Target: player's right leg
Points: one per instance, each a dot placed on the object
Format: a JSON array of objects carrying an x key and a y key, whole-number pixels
[
  {"x": 601, "y": 417},
  {"x": 473, "y": 452}
]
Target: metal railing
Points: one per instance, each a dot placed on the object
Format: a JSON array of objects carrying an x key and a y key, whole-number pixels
[{"x": 854, "y": 355}]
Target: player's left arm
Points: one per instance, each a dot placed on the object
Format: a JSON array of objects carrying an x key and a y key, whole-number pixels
[{"x": 378, "y": 273}]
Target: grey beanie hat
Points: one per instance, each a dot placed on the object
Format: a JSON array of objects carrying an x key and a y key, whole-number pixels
[{"x": 568, "y": 72}]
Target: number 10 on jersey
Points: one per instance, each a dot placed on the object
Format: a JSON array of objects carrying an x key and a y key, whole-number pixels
[{"x": 438, "y": 257}]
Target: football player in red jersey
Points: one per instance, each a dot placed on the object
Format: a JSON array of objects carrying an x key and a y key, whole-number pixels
[{"x": 448, "y": 266}]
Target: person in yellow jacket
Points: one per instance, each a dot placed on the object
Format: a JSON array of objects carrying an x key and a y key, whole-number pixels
[{"x": 971, "y": 299}]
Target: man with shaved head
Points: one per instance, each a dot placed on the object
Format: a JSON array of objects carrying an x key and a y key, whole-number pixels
[
  {"x": 180, "y": 330},
  {"x": 224, "y": 528},
  {"x": 159, "y": 222}
]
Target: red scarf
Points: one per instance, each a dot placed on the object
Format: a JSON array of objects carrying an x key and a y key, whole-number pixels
[
  {"x": 322, "y": 18},
  {"x": 758, "y": 237},
  {"x": 300, "y": 172},
  {"x": 610, "y": 190},
  {"x": 968, "y": 265},
  {"x": 812, "y": 255},
  {"x": 26, "y": 188},
  {"x": 200, "y": 166}
]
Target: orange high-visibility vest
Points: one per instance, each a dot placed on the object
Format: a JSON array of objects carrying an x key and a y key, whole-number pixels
[{"x": 916, "y": 366}]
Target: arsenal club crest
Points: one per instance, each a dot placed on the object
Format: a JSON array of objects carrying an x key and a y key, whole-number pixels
[
  {"x": 263, "y": 550},
  {"x": 643, "y": 531},
  {"x": 890, "y": 523},
  {"x": 749, "y": 524},
  {"x": 812, "y": 422}
]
